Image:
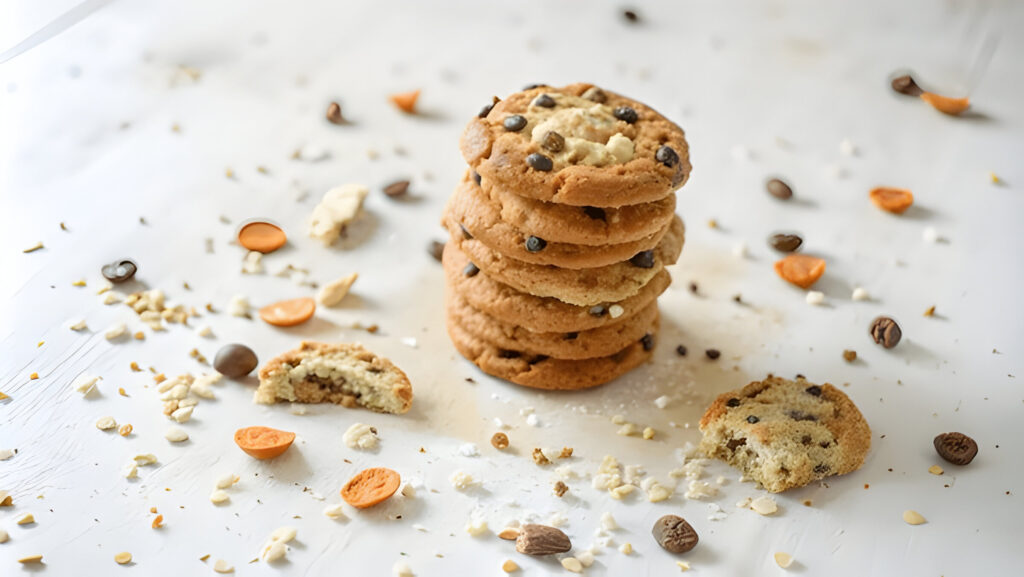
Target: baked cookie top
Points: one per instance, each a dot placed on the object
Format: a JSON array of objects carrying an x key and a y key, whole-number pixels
[
  {"x": 577, "y": 145},
  {"x": 785, "y": 434}
]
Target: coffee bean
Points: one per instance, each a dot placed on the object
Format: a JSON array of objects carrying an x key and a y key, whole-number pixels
[
  {"x": 544, "y": 101},
  {"x": 630, "y": 16},
  {"x": 752, "y": 419},
  {"x": 397, "y": 188},
  {"x": 643, "y": 259},
  {"x": 674, "y": 534},
  {"x": 487, "y": 109},
  {"x": 539, "y": 162},
  {"x": 681, "y": 350},
  {"x": 514, "y": 123},
  {"x": 470, "y": 270},
  {"x": 595, "y": 94},
  {"x": 813, "y": 390},
  {"x": 594, "y": 212},
  {"x": 465, "y": 233},
  {"x": 779, "y": 189},
  {"x": 436, "y": 249},
  {"x": 647, "y": 341},
  {"x": 552, "y": 141},
  {"x": 667, "y": 156},
  {"x": 785, "y": 242},
  {"x": 334, "y": 113},
  {"x": 119, "y": 271},
  {"x": 957, "y": 448},
  {"x": 733, "y": 402},
  {"x": 886, "y": 332},
  {"x": 535, "y": 244},
  {"x": 598, "y": 310},
  {"x": 713, "y": 353},
  {"x": 625, "y": 114},
  {"x": 235, "y": 361},
  {"x": 476, "y": 177},
  {"x": 906, "y": 85},
  {"x": 542, "y": 540}
]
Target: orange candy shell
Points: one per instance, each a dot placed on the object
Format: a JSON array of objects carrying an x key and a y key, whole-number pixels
[
  {"x": 946, "y": 104},
  {"x": 370, "y": 487},
  {"x": 263, "y": 442},
  {"x": 261, "y": 237},
  {"x": 406, "y": 101},
  {"x": 894, "y": 200},
  {"x": 289, "y": 313},
  {"x": 800, "y": 269}
]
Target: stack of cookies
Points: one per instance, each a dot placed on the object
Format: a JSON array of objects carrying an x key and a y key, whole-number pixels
[{"x": 560, "y": 232}]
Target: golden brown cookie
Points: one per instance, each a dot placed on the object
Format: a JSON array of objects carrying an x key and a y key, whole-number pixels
[
  {"x": 599, "y": 342},
  {"x": 541, "y": 314},
  {"x": 586, "y": 287},
  {"x": 481, "y": 219},
  {"x": 540, "y": 372},
  {"x": 577, "y": 145},
  {"x": 785, "y": 434}
]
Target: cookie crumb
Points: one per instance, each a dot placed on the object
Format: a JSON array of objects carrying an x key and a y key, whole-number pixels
[
  {"x": 509, "y": 566},
  {"x": 849, "y": 355},
  {"x": 123, "y": 558},
  {"x": 560, "y": 489},
  {"x": 33, "y": 248},
  {"x": 539, "y": 457},
  {"x": 935, "y": 470},
  {"x": 783, "y": 560},
  {"x": 499, "y": 441},
  {"x": 911, "y": 517},
  {"x": 930, "y": 312}
]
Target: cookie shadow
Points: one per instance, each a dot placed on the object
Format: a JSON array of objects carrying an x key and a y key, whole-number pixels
[{"x": 357, "y": 232}]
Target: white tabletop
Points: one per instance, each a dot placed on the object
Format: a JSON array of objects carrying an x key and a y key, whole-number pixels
[{"x": 762, "y": 89}]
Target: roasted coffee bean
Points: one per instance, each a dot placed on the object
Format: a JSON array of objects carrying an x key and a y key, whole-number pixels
[
  {"x": 541, "y": 540},
  {"x": 625, "y": 114},
  {"x": 397, "y": 188},
  {"x": 813, "y": 390},
  {"x": 752, "y": 419},
  {"x": 476, "y": 177},
  {"x": 514, "y": 123},
  {"x": 598, "y": 310},
  {"x": 552, "y": 141},
  {"x": 643, "y": 259},
  {"x": 779, "y": 189},
  {"x": 595, "y": 94},
  {"x": 334, "y": 113},
  {"x": 785, "y": 242},
  {"x": 535, "y": 244},
  {"x": 595, "y": 212},
  {"x": 957, "y": 448},
  {"x": 436, "y": 249},
  {"x": 886, "y": 332},
  {"x": 539, "y": 162},
  {"x": 235, "y": 361},
  {"x": 674, "y": 534},
  {"x": 119, "y": 271},
  {"x": 544, "y": 101},
  {"x": 733, "y": 402},
  {"x": 487, "y": 109},
  {"x": 906, "y": 85},
  {"x": 681, "y": 350},
  {"x": 470, "y": 270},
  {"x": 713, "y": 353},
  {"x": 647, "y": 341},
  {"x": 667, "y": 156}
]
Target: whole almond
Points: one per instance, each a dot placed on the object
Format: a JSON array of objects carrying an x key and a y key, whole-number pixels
[{"x": 542, "y": 540}]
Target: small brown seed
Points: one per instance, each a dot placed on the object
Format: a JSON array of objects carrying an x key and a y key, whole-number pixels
[
  {"x": 674, "y": 534},
  {"x": 334, "y": 113},
  {"x": 398, "y": 188},
  {"x": 886, "y": 332},
  {"x": 235, "y": 360},
  {"x": 779, "y": 189},
  {"x": 957, "y": 448},
  {"x": 436, "y": 249},
  {"x": 849, "y": 355},
  {"x": 499, "y": 441},
  {"x": 785, "y": 242},
  {"x": 906, "y": 85},
  {"x": 542, "y": 540}
]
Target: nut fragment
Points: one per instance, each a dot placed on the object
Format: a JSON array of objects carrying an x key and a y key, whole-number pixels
[
  {"x": 560, "y": 489},
  {"x": 509, "y": 566},
  {"x": 125, "y": 430},
  {"x": 499, "y": 441},
  {"x": 333, "y": 292},
  {"x": 542, "y": 540},
  {"x": 105, "y": 423},
  {"x": 572, "y": 565},
  {"x": 509, "y": 533},
  {"x": 783, "y": 560},
  {"x": 935, "y": 470},
  {"x": 222, "y": 566},
  {"x": 26, "y": 519},
  {"x": 123, "y": 558},
  {"x": 911, "y": 517},
  {"x": 539, "y": 457}
]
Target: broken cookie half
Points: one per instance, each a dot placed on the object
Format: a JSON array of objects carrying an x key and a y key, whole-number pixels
[{"x": 345, "y": 374}]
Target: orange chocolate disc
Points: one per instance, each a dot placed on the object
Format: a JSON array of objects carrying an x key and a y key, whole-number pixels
[
  {"x": 289, "y": 313},
  {"x": 261, "y": 236}
]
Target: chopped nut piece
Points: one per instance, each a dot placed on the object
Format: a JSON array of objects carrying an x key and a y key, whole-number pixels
[
  {"x": 499, "y": 441},
  {"x": 227, "y": 480},
  {"x": 219, "y": 496},
  {"x": 566, "y": 453},
  {"x": 648, "y": 433},
  {"x": 4, "y": 536},
  {"x": 930, "y": 312},
  {"x": 509, "y": 566},
  {"x": 361, "y": 436},
  {"x": 33, "y": 248},
  {"x": 135, "y": 367},
  {"x": 26, "y": 519},
  {"x": 509, "y": 533},
  {"x": 560, "y": 489},
  {"x": 476, "y": 527},
  {"x": 335, "y": 512},
  {"x": 176, "y": 435},
  {"x": 222, "y": 566},
  {"x": 461, "y": 480},
  {"x": 572, "y": 564},
  {"x": 125, "y": 430},
  {"x": 158, "y": 522},
  {"x": 115, "y": 332},
  {"x": 683, "y": 565},
  {"x": 86, "y": 384},
  {"x": 333, "y": 292},
  {"x": 849, "y": 356},
  {"x": 935, "y": 470},
  {"x": 5, "y": 499},
  {"x": 123, "y": 558},
  {"x": 130, "y": 471},
  {"x": 79, "y": 326},
  {"x": 913, "y": 517},
  {"x": 33, "y": 376},
  {"x": 626, "y": 548},
  {"x": 79, "y": 283},
  {"x": 31, "y": 558},
  {"x": 106, "y": 423},
  {"x": 764, "y": 505},
  {"x": 539, "y": 457},
  {"x": 783, "y": 560}
]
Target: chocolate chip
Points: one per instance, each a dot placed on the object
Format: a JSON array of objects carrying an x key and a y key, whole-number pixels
[
  {"x": 487, "y": 109},
  {"x": 813, "y": 390},
  {"x": 595, "y": 212},
  {"x": 436, "y": 249},
  {"x": 476, "y": 177},
  {"x": 694, "y": 288},
  {"x": 539, "y": 162},
  {"x": 734, "y": 444},
  {"x": 643, "y": 259},
  {"x": 957, "y": 448},
  {"x": 571, "y": 336},
  {"x": 886, "y": 332},
  {"x": 630, "y": 16},
  {"x": 532, "y": 86},
  {"x": 681, "y": 350},
  {"x": 535, "y": 244},
  {"x": 506, "y": 354},
  {"x": 779, "y": 189},
  {"x": 235, "y": 361},
  {"x": 625, "y": 114},
  {"x": 397, "y": 188},
  {"x": 733, "y": 402},
  {"x": 785, "y": 242},
  {"x": 806, "y": 440},
  {"x": 906, "y": 85},
  {"x": 752, "y": 419},
  {"x": 334, "y": 114},
  {"x": 465, "y": 233},
  {"x": 552, "y": 141},
  {"x": 667, "y": 156},
  {"x": 514, "y": 123},
  {"x": 544, "y": 101},
  {"x": 674, "y": 534},
  {"x": 801, "y": 416},
  {"x": 821, "y": 469},
  {"x": 647, "y": 341},
  {"x": 119, "y": 271},
  {"x": 595, "y": 94},
  {"x": 713, "y": 353},
  {"x": 598, "y": 310},
  {"x": 470, "y": 270}
]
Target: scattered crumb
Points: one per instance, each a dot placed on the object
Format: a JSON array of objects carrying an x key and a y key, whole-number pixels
[
  {"x": 930, "y": 312},
  {"x": 560, "y": 488},
  {"x": 401, "y": 569},
  {"x": 935, "y": 470},
  {"x": 335, "y": 512},
  {"x": 783, "y": 560},
  {"x": 929, "y": 234},
  {"x": 849, "y": 355},
  {"x": 79, "y": 326},
  {"x": 115, "y": 332},
  {"x": 648, "y": 433},
  {"x": 815, "y": 298},
  {"x": 739, "y": 250},
  {"x": 626, "y": 548},
  {"x": 662, "y": 401},
  {"x": 25, "y": 519},
  {"x": 123, "y": 558},
  {"x": 219, "y": 496},
  {"x": 764, "y": 505},
  {"x": 476, "y": 527},
  {"x": 361, "y": 436},
  {"x": 33, "y": 248},
  {"x": 911, "y": 517},
  {"x": 860, "y": 294},
  {"x": 509, "y": 566},
  {"x": 222, "y": 566},
  {"x": 461, "y": 480},
  {"x": 683, "y": 565},
  {"x": 572, "y": 565}
]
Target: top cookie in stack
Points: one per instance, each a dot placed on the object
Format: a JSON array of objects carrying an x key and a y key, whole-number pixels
[{"x": 560, "y": 233}]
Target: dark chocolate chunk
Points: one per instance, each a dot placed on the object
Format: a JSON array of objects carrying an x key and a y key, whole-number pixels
[
  {"x": 535, "y": 244},
  {"x": 643, "y": 259},
  {"x": 544, "y": 101},
  {"x": 625, "y": 114},
  {"x": 470, "y": 270},
  {"x": 235, "y": 360},
  {"x": 514, "y": 122},
  {"x": 552, "y": 141},
  {"x": 539, "y": 162},
  {"x": 667, "y": 156}
]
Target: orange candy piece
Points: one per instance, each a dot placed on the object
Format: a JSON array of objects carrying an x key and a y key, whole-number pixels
[
  {"x": 406, "y": 101},
  {"x": 261, "y": 237},
  {"x": 945, "y": 104},
  {"x": 370, "y": 486},
  {"x": 289, "y": 313},
  {"x": 800, "y": 269},
  {"x": 263, "y": 442},
  {"x": 894, "y": 200}
]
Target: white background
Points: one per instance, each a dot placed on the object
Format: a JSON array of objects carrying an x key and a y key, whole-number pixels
[{"x": 86, "y": 139}]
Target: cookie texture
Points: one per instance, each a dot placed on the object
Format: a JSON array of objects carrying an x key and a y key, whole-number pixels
[
  {"x": 542, "y": 372},
  {"x": 540, "y": 314},
  {"x": 785, "y": 434},
  {"x": 585, "y": 287},
  {"x": 481, "y": 218},
  {"x": 344, "y": 374},
  {"x": 606, "y": 150}
]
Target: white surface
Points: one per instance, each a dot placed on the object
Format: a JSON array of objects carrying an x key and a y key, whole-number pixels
[{"x": 85, "y": 138}]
